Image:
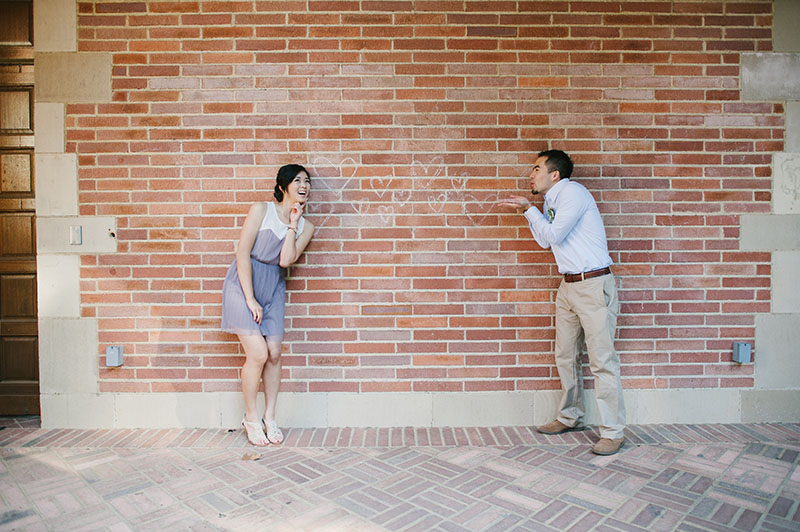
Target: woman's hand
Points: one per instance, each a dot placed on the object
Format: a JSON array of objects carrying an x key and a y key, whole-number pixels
[
  {"x": 255, "y": 309},
  {"x": 295, "y": 213}
]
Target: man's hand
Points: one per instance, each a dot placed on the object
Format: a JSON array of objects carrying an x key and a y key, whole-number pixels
[{"x": 518, "y": 202}]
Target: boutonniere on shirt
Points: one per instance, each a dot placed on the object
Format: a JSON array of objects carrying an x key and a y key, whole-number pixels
[{"x": 550, "y": 215}]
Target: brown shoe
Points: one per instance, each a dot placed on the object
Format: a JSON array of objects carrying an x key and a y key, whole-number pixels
[
  {"x": 608, "y": 446},
  {"x": 557, "y": 427}
]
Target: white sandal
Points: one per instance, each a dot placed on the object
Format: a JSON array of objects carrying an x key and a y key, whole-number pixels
[
  {"x": 257, "y": 438},
  {"x": 274, "y": 434}
]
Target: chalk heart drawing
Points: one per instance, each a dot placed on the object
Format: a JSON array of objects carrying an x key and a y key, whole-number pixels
[
  {"x": 402, "y": 197},
  {"x": 436, "y": 202},
  {"x": 476, "y": 206},
  {"x": 325, "y": 210},
  {"x": 436, "y": 162}
]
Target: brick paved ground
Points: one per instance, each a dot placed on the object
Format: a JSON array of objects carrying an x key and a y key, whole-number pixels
[{"x": 668, "y": 477}]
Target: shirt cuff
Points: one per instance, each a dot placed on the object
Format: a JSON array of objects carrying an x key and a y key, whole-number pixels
[{"x": 533, "y": 213}]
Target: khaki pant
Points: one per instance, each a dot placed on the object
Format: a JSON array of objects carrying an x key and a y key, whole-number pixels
[{"x": 588, "y": 310}]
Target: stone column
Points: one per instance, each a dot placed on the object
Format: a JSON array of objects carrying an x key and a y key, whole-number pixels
[
  {"x": 68, "y": 358},
  {"x": 776, "y": 76}
]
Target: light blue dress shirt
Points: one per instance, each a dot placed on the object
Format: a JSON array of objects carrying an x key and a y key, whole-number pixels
[{"x": 575, "y": 233}]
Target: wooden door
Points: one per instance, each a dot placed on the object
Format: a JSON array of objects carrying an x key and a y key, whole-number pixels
[{"x": 19, "y": 349}]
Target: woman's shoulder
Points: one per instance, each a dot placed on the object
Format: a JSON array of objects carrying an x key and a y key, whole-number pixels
[{"x": 260, "y": 208}]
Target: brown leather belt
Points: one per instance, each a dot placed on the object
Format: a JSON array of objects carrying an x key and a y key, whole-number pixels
[{"x": 575, "y": 277}]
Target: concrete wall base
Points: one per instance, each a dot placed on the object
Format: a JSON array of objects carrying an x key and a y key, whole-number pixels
[{"x": 224, "y": 410}]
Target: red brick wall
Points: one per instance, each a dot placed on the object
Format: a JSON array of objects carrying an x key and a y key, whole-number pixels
[{"x": 414, "y": 117}]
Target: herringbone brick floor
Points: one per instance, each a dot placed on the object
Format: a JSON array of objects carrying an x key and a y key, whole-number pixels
[{"x": 668, "y": 477}]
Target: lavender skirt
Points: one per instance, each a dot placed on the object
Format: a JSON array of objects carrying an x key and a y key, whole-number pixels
[{"x": 269, "y": 287}]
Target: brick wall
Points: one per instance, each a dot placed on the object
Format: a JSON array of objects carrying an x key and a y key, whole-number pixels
[{"x": 414, "y": 118}]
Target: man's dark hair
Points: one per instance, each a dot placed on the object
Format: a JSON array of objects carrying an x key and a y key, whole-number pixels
[{"x": 558, "y": 160}]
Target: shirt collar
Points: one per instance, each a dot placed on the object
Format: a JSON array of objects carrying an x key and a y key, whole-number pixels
[{"x": 552, "y": 194}]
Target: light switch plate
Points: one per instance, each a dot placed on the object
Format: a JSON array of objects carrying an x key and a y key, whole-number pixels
[
  {"x": 114, "y": 355},
  {"x": 75, "y": 235}
]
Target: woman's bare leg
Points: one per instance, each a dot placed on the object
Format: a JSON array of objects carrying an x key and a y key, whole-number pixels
[
  {"x": 256, "y": 350},
  {"x": 272, "y": 379}
]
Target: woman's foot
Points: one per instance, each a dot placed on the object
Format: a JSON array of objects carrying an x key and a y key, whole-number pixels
[
  {"x": 255, "y": 434},
  {"x": 274, "y": 434}
]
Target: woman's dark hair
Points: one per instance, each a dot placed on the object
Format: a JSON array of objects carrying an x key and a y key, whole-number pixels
[
  {"x": 286, "y": 175},
  {"x": 558, "y": 160}
]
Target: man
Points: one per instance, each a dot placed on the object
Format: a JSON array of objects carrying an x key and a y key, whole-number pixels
[{"x": 586, "y": 301}]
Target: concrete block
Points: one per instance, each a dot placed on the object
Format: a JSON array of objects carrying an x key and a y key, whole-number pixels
[
  {"x": 545, "y": 405},
  {"x": 97, "y": 234},
  {"x": 785, "y": 265},
  {"x": 785, "y": 21},
  {"x": 167, "y": 410},
  {"x": 82, "y": 77},
  {"x": 77, "y": 411},
  {"x": 786, "y": 183},
  {"x": 770, "y": 76},
  {"x": 769, "y": 232},
  {"x": 487, "y": 409},
  {"x": 792, "y": 140},
  {"x": 49, "y": 135},
  {"x": 777, "y": 351},
  {"x": 301, "y": 410},
  {"x": 56, "y": 184},
  {"x": 55, "y": 25},
  {"x": 68, "y": 360},
  {"x": 770, "y": 406},
  {"x": 379, "y": 410},
  {"x": 646, "y": 407},
  {"x": 58, "y": 286}
]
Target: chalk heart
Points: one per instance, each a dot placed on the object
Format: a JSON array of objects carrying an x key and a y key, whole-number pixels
[
  {"x": 381, "y": 187},
  {"x": 402, "y": 197},
  {"x": 487, "y": 205},
  {"x": 459, "y": 183},
  {"x": 327, "y": 209},
  {"x": 436, "y": 203},
  {"x": 426, "y": 168},
  {"x": 386, "y": 212}
]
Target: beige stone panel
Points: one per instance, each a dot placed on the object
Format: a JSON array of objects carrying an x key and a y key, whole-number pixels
[
  {"x": 545, "y": 406},
  {"x": 300, "y": 410},
  {"x": 77, "y": 411},
  {"x": 777, "y": 351},
  {"x": 785, "y": 266},
  {"x": 167, "y": 410},
  {"x": 483, "y": 409},
  {"x": 682, "y": 406},
  {"x": 81, "y": 77},
  {"x": 49, "y": 129},
  {"x": 97, "y": 234},
  {"x": 770, "y": 406},
  {"x": 792, "y": 141},
  {"x": 58, "y": 285},
  {"x": 68, "y": 358},
  {"x": 770, "y": 76},
  {"x": 768, "y": 232},
  {"x": 786, "y": 183},
  {"x": 786, "y": 20},
  {"x": 379, "y": 410},
  {"x": 55, "y": 25},
  {"x": 56, "y": 184}
]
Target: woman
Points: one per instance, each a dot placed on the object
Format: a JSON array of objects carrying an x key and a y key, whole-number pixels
[{"x": 273, "y": 237}]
